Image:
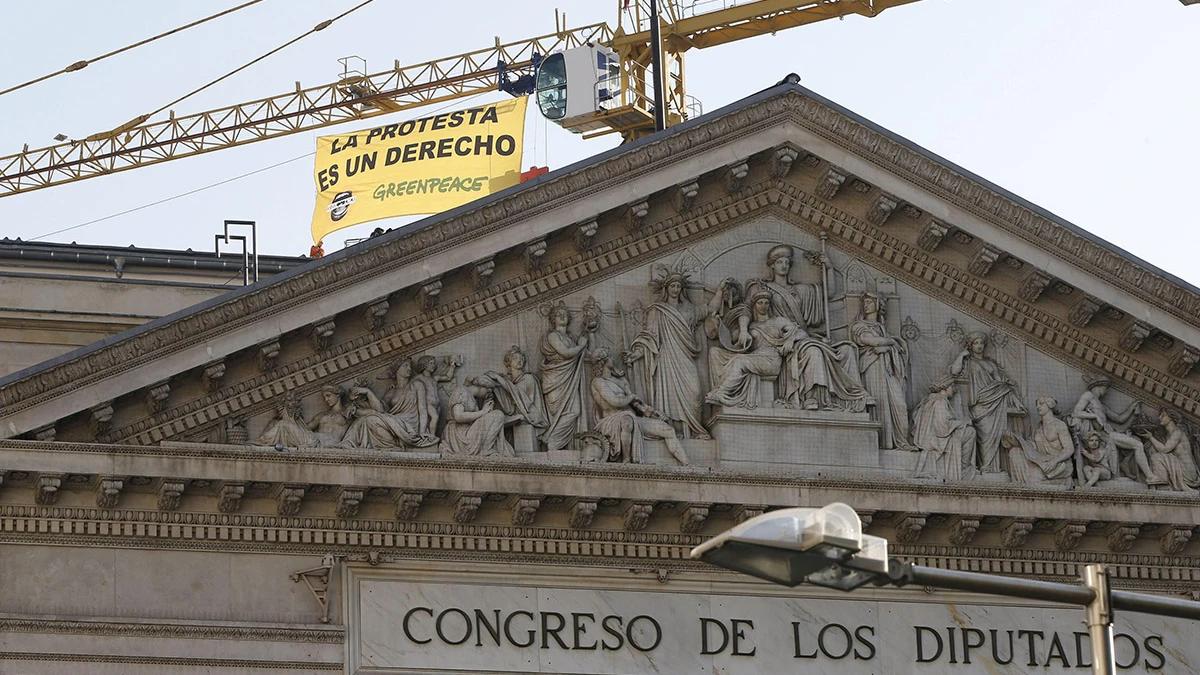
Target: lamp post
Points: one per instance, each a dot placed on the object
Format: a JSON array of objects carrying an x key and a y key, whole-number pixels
[{"x": 826, "y": 547}]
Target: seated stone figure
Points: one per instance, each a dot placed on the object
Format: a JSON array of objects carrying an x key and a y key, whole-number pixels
[
  {"x": 1172, "y": 460},
  {"x": 623, "y": 418},
  {"x": 947, "y": 443},
  {"x": 472, "y": 429},
  {"x": 1046, "y": 456},
  {"x": 325, "y": 430},
  {"x": 1095, "y": 459},
  {"x": 516, "y": 391},
  {"x": 761, "y": 344}
]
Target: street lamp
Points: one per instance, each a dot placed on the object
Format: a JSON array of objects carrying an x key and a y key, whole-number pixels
[{"x": 826, "y": 547}]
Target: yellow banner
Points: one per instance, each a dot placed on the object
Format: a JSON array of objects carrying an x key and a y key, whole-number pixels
[{"x": 417, "y": 166}]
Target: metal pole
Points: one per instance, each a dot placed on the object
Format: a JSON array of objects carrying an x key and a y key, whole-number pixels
[
  {"x": 1099, "y": 620},
  {"x": 660, "y": 112}
]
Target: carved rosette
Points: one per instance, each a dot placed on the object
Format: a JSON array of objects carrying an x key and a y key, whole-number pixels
[
  {"x": 408, "y": 504},
  {"x": 1068, "y": 533},
  {"x": 375, "y": 313},
  {"x": 321, "y": 334},
  {"x": 637, "y": 516},
  {"x": 1134, "y": 334},
  {"x": 831, "y": 183},
  {"x": 685, "y": 195},
  {"x": 289, "y": 500},
  {"x": 108, "y": 492},
  {"x": 428, "y": 294},
  {"x": 735, "y": 176},
  {"x": 45, "y": 488},
  {"x": 580, "y": 515},
  {"x": 533, "y": 255},
  {"x": 525, "y": 508},
  {"x": 229, "y": 499},
  {"x": 692, "y": 517},
  {"x": 466, "y": 506},
  {"x": 1015, "y": 532},
  {"x": 266, "y": 355},
  {"x": 1033, "y": 285},
  {"x": 962, "y": 530},
  {"x": 170, "y": 495},
  {"x": 635, "y": 215},
  {"x": 909, "y": 526},
  {"x": 1083, "y": 311},
  {"x": 1183, "y": 361},
  {"x": 482, "y": 272},
  {"x": 782, "y": 160},
  {"x": 881, "y": 209},
  {"x": 1121, "y": 536},
  {"x": 981, "y": 263},
  {"x": 100, "y": 418},
  {"x": 156, "y": 397},
  {"x": 212, "y": 375},
  {"x": 1174, "y": 538},
  {"x": 584, "y": 233},
  {"x": 932, "y": 234},
  {"x": 348, "y": 501}
]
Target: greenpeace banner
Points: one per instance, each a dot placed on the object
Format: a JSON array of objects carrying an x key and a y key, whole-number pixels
[{"x": 417, "y": 166}]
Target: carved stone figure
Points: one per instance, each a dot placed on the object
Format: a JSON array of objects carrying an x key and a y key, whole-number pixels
[
  {"x": 562, "y": 379},
  {"x": 820, "y": 375},
  {"x": 1092, "y": 414},
  {"x": 947, "y": 443},
  {"x": 1172, "y": 460},
  {"x": 390, "y": 424},
  {"x": 667, "y": 349},
  {"x": 516, "y": 391},
  {"x": 1096, "y": 459},
  {"x": 472, "y": 429},
  {"x": 425, "y": 383},
  {"x": 992, "y": 396},
  {"x": 325, "y": 430},
  {"x": 738, "y": 372},
  {"x": 882, "y": 360},
  {"x": 623, "y": 418},
  {"x": 1047, "y": 455}
]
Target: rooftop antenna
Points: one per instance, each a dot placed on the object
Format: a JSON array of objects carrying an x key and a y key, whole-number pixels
[{"x": 226, "y": 237}]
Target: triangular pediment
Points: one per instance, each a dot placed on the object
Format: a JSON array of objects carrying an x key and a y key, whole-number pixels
[{"x": 949, "y": 253}]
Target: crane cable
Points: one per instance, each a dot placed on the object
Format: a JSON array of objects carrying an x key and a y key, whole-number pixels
[{"x": 80, "y": 65}]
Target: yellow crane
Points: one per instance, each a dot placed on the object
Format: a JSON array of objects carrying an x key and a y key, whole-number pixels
[{"x": 627, "y": 105}]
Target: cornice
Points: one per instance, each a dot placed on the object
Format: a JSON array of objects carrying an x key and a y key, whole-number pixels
[
  {"x": 319, "y": 634},
  {"x": 175, "y": 662}
]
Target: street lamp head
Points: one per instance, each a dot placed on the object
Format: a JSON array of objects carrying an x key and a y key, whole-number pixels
[{"x": 823, "y": 546}]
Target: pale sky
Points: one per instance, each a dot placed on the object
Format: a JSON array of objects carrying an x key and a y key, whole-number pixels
[{"x": 1088, "y": 108}]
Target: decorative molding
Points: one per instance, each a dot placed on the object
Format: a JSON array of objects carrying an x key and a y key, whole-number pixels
[
  {"x": 408, "y": 504},
  {"x": 429, "y": 293},
  {"x": 881, "y": 209},
  {"x": 229, "y": 499},
  {"x": 584, "y": 233},
  {"x": 375, "y": 314},
  {"x": 348, "y": 500},
  {"x": 212, "y": 374},
  {"x": 533, "y": 255},
  {"x": 45, "y": 488},
  {"x": 156, "y": 397},
  {"x": 289, "y": 500},
  {"x": 100, "y": 418},
  {"x": 46, "y": 434},
  {"x": 932, "y": 234},
  {"x": 962, "y": 530},
  {"x": 981, "y": 263},
  {"x": 909, "y": 526},
  {"x": 525, "y": 509},
  {"x": 1067, "y": 534},
  {"x": 187, "y": 631},
  {"x": 1015, "y": 532},
  {"x": 1083, "y": 311},
  {"x": 1183, "y": 361},
  {"x": 866, "y": 518},
  {"x": 170, "y": 495},
  {"x": 782, "y": 160},
  {"x": 466, "y": 506},
  {"x": 684, "y": 195},
  {"x": 266, "y": 355},
  {"x": 1121, "y": 536},
  {"x": 637, "y": 515},
  {"x": 320, "y": 334},
  {"x": 1134, "y": 335},
  {"x": 635, "y": 215},
  {"x": 482, "y": 273},
  {"x": 692, "y": 517},
  {"x": 735, "y": 175},
  {"x": 1173, "y": 538},
  {"x": 580, "y": 515},
  {"x": 1033, "y": 285},
  {"x": 108, "y": 492},
  {"x": 831, "y": 182}
]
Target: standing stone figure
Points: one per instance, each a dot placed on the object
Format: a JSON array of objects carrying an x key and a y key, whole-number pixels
[
  {"x": 516, "y": 391},
  {"x": 1092, "y": 414},
  {"x": 1048, "y": 454},
  {"x": 992, "y": 396},
  {"x": 562, "y": 379},
  {"x": 474, "y": 430},
  {"x": 667, "y": 349},
  {"x": 623, "y": 418},
  {"x": 820, "y": 375},
  {"x": 1172, "y": 460},
  {"x": 947, "y": 443},
  {"x": 425, "y": 382},
  {"x": 325, "y": 430},
  {"x": 882, "y": 360}
]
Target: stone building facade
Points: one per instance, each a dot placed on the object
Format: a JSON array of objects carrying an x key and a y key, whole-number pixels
[{"x": 488, "y": 442}]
